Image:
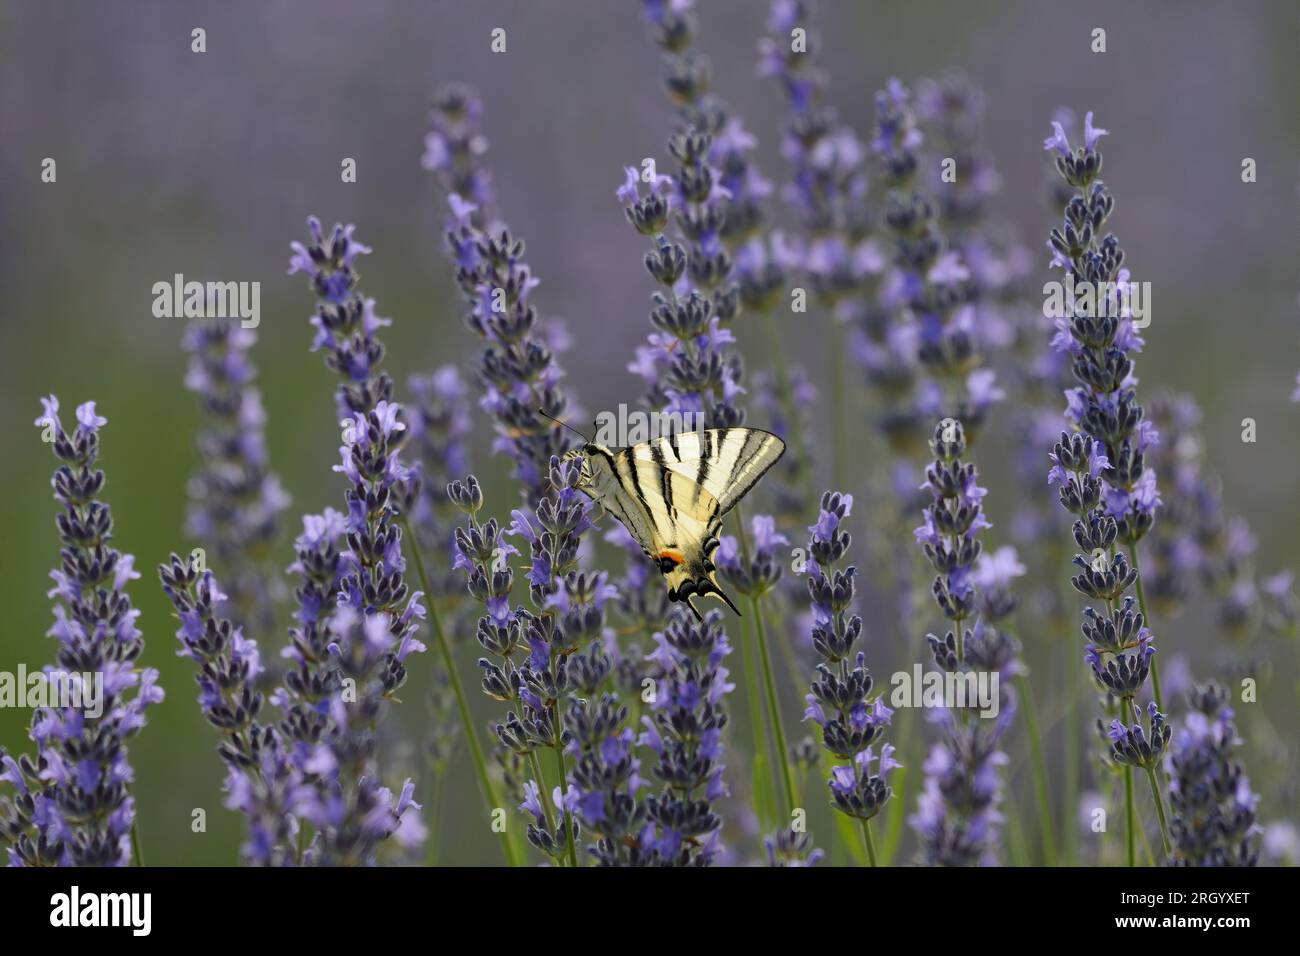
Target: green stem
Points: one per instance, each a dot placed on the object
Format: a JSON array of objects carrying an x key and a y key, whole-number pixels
[
  {"x": 135, "y": 842},
  {"x": 568, "y": 818},
  {"x": 866, "y": 838},
  {"x": 1040, "y": 770},
  {"x": 763, "y": 798},
  {"x": 1130, "y": 828},
  {"x": 1160, "y": 809},
  {"x": 1017, "y": 853},
  {"x": 1073, "y": 683},
  {"x": 902, "y": 781},
  {"x": 467, "y": 722},
  {"x": 773, "y": 705},
  {"x": 781, "y": 758}
]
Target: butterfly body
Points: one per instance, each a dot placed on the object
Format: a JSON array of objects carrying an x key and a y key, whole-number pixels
[{"x": 672, "y": 492}]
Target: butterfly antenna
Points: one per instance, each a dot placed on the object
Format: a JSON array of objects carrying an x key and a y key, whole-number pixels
[{"x": 585, "y": 439}]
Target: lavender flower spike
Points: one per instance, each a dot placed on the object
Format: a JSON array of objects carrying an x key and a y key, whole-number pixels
[
  {"x": 373, "y": 618},
  {"x": 517, "y": 367},
  {"x": 1100, "y": 468},
  {"x": 852, "y": 720},
  {"x": 1214, "y": 822},
  {"x": 73, "y": 806},
  {"x": 567, "y": 615},
  {"x": 235, "y": 499},
  {"x": 685, "y": 733},
  {"x": 260, "y": 779},
  {"x": 958, "y": 820}
]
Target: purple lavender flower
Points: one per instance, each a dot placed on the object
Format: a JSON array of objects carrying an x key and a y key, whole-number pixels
[
  {"x": 953, "y": 108},
  {"x": 517, "y": 367},
  {"x": 343, "y": 668},
  {"x": 1101, "y": 469},
  {"x": 439, "y": 431},
  {"x": 720, "y": 258},
  {"x": 686, "y": 363},
  {"x": 606, "y": 772},
  {"x": 73, "y": 805},
  {"x": 957, "y": 817},
  {"x": 537, "y": 660},
  {"x": 1282, "y": 605},
  {"x": 931, "y": 280},
  {"x": 453, "y": 151},
  {"x": 949, "y": 534},
  {"x": 235, "y": 498},
  {"x": 852, "y": 721},
  {"x": 684, "y": 730},
  {"x": 355, "y": 631},
  {"x": 762, "y": 571},
  {"x": 1195, "y": 543},
  {"x": 260, "y": 779},
  {"x": 352, "y": 812},
  {"x": 793, "y": 850},
  {"x": 346, "y": 323},
  {"x": 837, "y": 257},
  {"x": 1214, "y": 809},
  {"x": 372, "y": 579}
]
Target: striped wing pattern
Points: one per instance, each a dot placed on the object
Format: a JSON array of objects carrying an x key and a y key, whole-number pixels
[{"x": 724, "y": 462}]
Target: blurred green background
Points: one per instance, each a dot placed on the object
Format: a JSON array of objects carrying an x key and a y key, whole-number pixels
[{"x": 207, "y": 164}]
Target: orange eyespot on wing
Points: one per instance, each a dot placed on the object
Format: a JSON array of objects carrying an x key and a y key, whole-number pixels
[{"x": 676, "y": 557}]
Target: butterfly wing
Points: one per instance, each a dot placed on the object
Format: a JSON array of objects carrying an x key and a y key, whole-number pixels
[{"x": 725, "y": 462}]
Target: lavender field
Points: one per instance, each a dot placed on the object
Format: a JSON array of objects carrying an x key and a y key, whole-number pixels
[{"x": 650, "y": 434}]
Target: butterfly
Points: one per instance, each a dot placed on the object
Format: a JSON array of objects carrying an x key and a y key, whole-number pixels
[{"x": 672, "y": 492}]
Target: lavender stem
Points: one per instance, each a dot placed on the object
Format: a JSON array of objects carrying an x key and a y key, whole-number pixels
[{"x": 476, "y": 749}]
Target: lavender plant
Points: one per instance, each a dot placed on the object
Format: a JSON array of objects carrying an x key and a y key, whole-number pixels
[
  {"x": 606, "y": 770},
  {"x": 792, "y": 850},
  {"x": 374, "y": 628},
  {"x": 235, "y": 498},
  {"x": 261, "y": 781},
  {"x": 73, "y": 805},
  {"x": 852, "y": 721},
  {"x": 567, "y": 614},
  {"x": 1213, "y": 820},
  {"x": 517, "y": 368},
  {"x": 685, "y": 732},
  {"x": 439, "y": 428},
  {"x": 1196, "y": 544},
  {"x": 709, "y": 257},
  {"x": 958, "y": 818},
  {"x": 686, "y": 364},
  {"x": 828, "y": 192},
  {"x": 1100, "y": 468}
]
